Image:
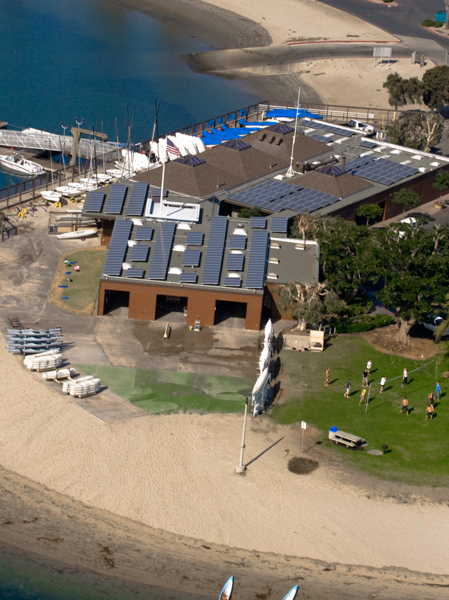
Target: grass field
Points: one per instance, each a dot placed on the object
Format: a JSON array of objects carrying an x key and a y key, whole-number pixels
[
  {"x": 168, "y": 391},
  {"x": 82, "y": 291},
  {"x": 418, "y": 449}
]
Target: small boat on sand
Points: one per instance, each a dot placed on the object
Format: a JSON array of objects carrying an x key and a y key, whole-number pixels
[
  {"x": 226, "y": 591},
  {"x": 67, "y": 190},
  {"x": 73, "y": 235},
  {"x": 291, "y": 594},
  {"x": 51, "y": 195}
]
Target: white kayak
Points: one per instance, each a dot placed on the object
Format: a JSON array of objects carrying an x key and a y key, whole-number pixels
[
  {"x": 291, "y": 594},
  {"x": 73, "y": 235},
  {"x": 67, "y": 190},
  {"x": 226, "y": 591}
]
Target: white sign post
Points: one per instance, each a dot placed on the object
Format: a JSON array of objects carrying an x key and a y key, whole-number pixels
[{"x": 303, "y": 427}]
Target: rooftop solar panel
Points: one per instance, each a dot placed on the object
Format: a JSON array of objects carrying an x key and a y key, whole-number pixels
[
  {"x": 279, "y": 224},
  {"x": 258, "y": 222},
  {"x": 320, "y": 138},
  {"x": 191, "y": 258},
  {"x": 265, "y": 192},
  {"x": 117, "y": 248},
  {"x": 156, "y": 193},
  {"x": 386, "y": 171},
  {"x": 162, "y": 251},
  {"x": 257, "y": 262},
  {"x": 136, "y": 273},
  {"x": 232, "y": 281},
  {"x": 116, "y": 199},
  {"x": 237, "y": 242},
  {"x": 359, "y": 162},
  {"x": 215, "y": 249},
  {"x": 235, "y": 262},
  {"x": 137, "y": 198},
  {"x": 188, "y": 277},
  {"x": 366, "y": 144},
  {"x": 194, "y": 238},
  {"x": 144, "y": 234},
  {"x": 329, "y": 128},
  {"x": 139, "y": 253},
  {"x": 94, "y": 201}
]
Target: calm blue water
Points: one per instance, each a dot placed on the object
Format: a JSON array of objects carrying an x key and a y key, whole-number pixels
[{"x": 62, "y": 59}]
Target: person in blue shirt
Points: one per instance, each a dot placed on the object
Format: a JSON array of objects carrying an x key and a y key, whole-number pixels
[{"x": 437, "y": 391}]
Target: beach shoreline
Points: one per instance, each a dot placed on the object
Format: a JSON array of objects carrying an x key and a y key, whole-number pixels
[{"x": 56, "y": 530}]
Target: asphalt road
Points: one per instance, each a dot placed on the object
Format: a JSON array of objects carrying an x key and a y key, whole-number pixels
[{"x": 402, "y": 20}]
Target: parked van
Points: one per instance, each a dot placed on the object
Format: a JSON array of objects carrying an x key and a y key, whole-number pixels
[{"x": 360, "y": 126}]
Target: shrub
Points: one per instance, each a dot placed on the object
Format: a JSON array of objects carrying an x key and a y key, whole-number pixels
[
  {"x": 361, "y": 323},
  {"x": 386, "y": 1},
  {"x": 430, "y": 23}
]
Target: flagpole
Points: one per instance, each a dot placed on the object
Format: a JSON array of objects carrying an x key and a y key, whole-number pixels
[
  {"x": 163, "y": 176},
  {"x": 290, "y": 169}
]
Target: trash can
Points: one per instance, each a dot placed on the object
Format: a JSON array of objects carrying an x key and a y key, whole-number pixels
[{"x": 441, "y": 16}]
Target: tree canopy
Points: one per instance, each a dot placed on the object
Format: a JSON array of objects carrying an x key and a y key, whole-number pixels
[
  {"x": 408, "y": 198},
  {"x": 432, "y": 90},
  {"x": 442, "y": 181},
  {"x": 402, "y": 91},
  {"x": 247, "y": 213},
  {"x": 418, "y": 131},
  {"x": 369, "y": 211}
]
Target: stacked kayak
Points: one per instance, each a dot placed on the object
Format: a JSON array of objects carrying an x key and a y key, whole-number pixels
[
  {"x": 82, "y": 386},
  {"x": 59, "y": 374},
  {"x": 43, "y": 362}
]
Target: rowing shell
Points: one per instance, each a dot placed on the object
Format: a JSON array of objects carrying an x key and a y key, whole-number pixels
[{"x": 226, "y": 592}]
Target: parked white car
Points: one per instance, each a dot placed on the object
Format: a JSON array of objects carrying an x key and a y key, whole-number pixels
[
  {"x": 361, "y": 126},
  {"x": 434, "y": 324}
]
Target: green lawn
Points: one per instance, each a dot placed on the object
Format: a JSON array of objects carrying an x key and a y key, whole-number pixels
[
  {"x": 168, "y": 391},
  {"x": 419, "y": 449},
  {"x": 82, "y": 291}
]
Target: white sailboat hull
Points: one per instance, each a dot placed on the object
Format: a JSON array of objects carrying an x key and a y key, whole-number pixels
[{"x": 73, "y": 235}]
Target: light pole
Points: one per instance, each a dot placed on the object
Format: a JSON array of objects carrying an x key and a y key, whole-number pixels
[
  {"x": 241, "y": 467},
  {"x": 290, "y": 171}
]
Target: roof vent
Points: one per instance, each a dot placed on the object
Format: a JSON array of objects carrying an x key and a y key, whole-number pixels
[
  {"x": 263, "y": 137},
  {"x": 272, "y": 140},
  {"x": 279, "y": 142}
]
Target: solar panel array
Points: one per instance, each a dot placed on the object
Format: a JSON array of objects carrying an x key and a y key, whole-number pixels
[
  {"x": 137, "y": 198},
  {"x": 194, "y": 238},
  {"x": 237, "y": 242},
  {"x": 264, "y": 194},
  {"x": 162, "y": 251},
  {"x": 366, "y": 144},
  {"x": 329, "y": 128},
  {"x": 144, "y": 234},
  {"x": 116, "y": 199},
  {"x": 255, "y": 277},
  {"x": 359, "y": 162},
  {"x": 235, "y": 262},
  {"x": 258, "y": 222},
  {"x": 136, "y": 273},
  {"x": 139, "y": 253},
  {"x": 94, "y": 201},
  {"x": 191, "y": 258},
  {"x": 320, "y": 138},
  {"x": 215, "y": 249},
  {"x": 232, "y": 281},
  {"x": 386, "y": 171},
  {"x": 156, "y": 193},
  {"x": 279, "y": 224},
  {"x": 117, "y": 248},
  {"x": 188, "y": 277}
]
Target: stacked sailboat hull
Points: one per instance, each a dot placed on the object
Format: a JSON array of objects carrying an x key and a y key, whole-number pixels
[{"x": 33, "y": 341}]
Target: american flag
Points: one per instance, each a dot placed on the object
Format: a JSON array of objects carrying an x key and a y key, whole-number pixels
[{"x": 172, "y": 149}]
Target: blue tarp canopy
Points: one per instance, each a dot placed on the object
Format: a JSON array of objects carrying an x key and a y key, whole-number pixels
[
  {"x": 290, "y": 113},
  {"x": 255, "y": 125}
]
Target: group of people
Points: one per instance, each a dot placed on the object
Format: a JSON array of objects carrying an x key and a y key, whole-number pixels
[{"x": 430, "y": 409}]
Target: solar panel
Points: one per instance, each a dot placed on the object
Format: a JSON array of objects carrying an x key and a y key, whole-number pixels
[
  {"x": 263, "y": 194},
  {"x": 279, "y": 224},
  {"x": 162, "y": 251},
  {"x": 117, "y": 248},
  {"x": 194, "y": 238},
  {"x": 257, "y": 260},
  {"x": 235, "y": 262},
  {"x": 144, "y": 234},
  {"x": 116, "y": 199},
  {"x": 215, "y": 249},
  {"x": 191, "y": 258},
  {"x": 137, "y": 273},
  {"x": 359, "y": 162},
  {"x": 94, "y": 201},
  {"x": 137, "y": 198},
  {"x": 330, "y": 128},
  {"x": 258, "y": 222},
  {"x": 232, "y": 281},
  {"x": 367, "y": 144},
  {"x": 156, "y": 193},
  {"x": 386, "y": 171},
  {"x": 237, "y": 242},
  {"x": 139, "y": 253},
  {"x": 320, "y": 138},
  {"x": 188, "y": 277}
]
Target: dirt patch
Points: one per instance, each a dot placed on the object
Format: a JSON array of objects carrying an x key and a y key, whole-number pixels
[
  {"x": 302, "y": 466},
  {"x": 384, "y": 340}
]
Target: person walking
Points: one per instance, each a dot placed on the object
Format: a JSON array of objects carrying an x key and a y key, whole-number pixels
[
  {"x": 430, "y": 398},
  {"x": 429, "y": 411},
  {"x": 348, "y": 389},
  {"x": 365, "y": 378},
  {"x": 363, "y": 397},
  {"x": 369, "y": 364},
  {"x": 437, "y": 391},
  {"x": 383, "y": 381},
  {"x": 404, "y": 377},
  {"x": 326, "y": 381},
  {"x": 404, "y": 407}
]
